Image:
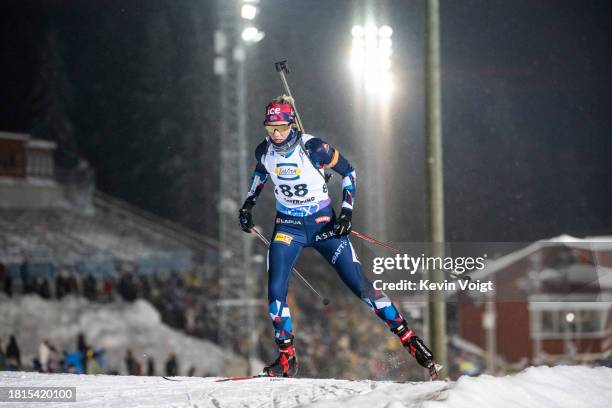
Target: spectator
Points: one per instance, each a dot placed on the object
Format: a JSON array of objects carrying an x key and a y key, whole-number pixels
[
  {"x": 82, "y": 348},
  {"x": 72, "y": 285},
  {"x": 13, "y": 355},
  {"x": 3, "y": 274},
  {"x": 131, "y": 364},
  {"x": 127, "y": 288},
  {"x": 191, "y": 371},
  {"x": 61, "y": 284},
  {"x": 107, "y": 288},
  {"x": 150, "y": 366},
  {"x": 43, "y": 288},
  {"x": 2, "y": 358},
  {"x": 73, "y": 363},
  {"x": 93, "y": 367},
  {"x": 137, "y": 368},
  {"x": 172, "y": 366},
  {"x": 36, "y": 365},
  {"x": 24, "y": 272},
  {"x": 90, "y": 288},
  {"x": 8, "y": 283},
  {"x": 145, "y": 287},
  {"x": 44, "y": 355}
]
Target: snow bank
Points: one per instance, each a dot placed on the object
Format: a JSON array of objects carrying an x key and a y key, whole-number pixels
[
  {"x": 559, "y": 387},
  {"x": 114, "y": 327},
  {"x": 535, "y": 387}
]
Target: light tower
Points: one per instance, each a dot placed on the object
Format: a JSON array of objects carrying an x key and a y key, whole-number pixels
[
  {"x": 236, "y": 280},
  {"x": 370, "y": 63}
]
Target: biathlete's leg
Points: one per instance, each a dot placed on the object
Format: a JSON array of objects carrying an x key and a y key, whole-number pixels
[
  {"x": 339, "y": 252},
  {"x": 282, "y": 255}
]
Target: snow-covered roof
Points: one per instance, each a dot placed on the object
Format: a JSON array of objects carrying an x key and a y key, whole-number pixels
[
  {"x": 14, "y": 136},
  {"x": 41, "y": 144},
  {"x": 598, "y": 243}
]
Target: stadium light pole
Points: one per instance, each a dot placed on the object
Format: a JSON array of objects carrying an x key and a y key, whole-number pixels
[
  {"x": 236, "y": 32},
  {"x": 434, "y": 175}
]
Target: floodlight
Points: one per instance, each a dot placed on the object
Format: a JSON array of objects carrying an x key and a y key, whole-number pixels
[
  {"x": 252, "y": 34},
  {"x": 248, "y": 11},
  {"x": 385, "y": 31}
]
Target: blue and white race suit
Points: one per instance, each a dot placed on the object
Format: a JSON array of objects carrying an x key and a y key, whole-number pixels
[{"x": 305, "y": 218}]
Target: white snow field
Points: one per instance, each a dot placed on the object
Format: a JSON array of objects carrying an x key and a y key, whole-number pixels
[{"x": 556, "y": 387}]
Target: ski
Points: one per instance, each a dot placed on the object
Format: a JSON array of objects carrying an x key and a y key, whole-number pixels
[{"x": 250, "y": 377}]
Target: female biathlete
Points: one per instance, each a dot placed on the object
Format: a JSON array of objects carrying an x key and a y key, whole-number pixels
[{"x": 305, "y": 218}]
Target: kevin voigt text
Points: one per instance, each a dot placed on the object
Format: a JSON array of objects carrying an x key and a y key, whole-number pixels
[{"x": 427, "y": 285}]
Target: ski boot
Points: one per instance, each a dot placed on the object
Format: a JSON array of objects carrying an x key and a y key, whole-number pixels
[
  {"x": 417, "y": 349},
  {"x": 286, "y": 363}
]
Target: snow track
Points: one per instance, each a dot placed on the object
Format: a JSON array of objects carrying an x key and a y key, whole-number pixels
[
  {"x": 535, "y": 387},
  {"x": 129, "y": 391}
]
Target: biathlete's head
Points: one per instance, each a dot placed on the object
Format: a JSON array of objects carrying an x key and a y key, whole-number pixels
[{"x": 280, "y": 124}]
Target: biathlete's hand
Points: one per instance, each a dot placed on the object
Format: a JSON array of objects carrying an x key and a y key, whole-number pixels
[
  {"x": 343, "y": 224},
  {"x": 246, "y": 217}
]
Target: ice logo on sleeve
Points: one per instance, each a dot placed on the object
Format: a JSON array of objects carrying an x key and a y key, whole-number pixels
[{"x": 287, "y": 171}]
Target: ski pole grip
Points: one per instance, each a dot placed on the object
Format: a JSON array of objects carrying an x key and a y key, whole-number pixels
[{"x": 281, "y": 66}]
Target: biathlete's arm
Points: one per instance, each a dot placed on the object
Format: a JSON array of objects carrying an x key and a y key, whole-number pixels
[
  {"x": 259, "y": 177},
  {"x": 324, "y": 155}
]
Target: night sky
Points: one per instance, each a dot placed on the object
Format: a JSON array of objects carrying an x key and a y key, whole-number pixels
[{"x": 526, "y": 104}]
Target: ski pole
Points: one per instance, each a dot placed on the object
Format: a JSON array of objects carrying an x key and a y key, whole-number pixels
[
  {"x": 265, "y": 241},
  {"x": 384, "y": 245},
  {"x": 375, "y": 241}
]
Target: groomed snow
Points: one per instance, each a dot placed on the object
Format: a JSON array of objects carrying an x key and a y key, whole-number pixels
[{"x": 559, "y": 387}]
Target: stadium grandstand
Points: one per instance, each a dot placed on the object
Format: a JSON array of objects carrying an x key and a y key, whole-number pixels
[
  {"x": 55, "y": 217},
  {"x": 53, "y": 224}
]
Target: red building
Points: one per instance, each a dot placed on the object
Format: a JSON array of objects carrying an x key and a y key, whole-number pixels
[{"x": 552, "y": 304}]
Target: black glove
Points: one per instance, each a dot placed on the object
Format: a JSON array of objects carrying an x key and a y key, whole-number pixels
[
  {"x": 246, "y": 217},
  {"x": 343, "y": 224}
]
